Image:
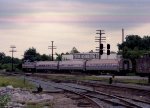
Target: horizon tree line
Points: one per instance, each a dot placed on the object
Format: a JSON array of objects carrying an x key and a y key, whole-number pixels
[{"x": 133, "y": 48}]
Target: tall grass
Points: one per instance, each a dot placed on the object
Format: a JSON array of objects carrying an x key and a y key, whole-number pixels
[
  {"x": 95, "y": 78},
  {"x": 15, "y": 82}
]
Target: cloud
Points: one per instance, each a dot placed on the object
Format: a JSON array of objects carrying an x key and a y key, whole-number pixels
[
  {"x": 68, "y": 11},
  {"x": 28, "y": 23}
]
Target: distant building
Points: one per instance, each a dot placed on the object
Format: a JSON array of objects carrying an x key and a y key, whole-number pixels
[
  {"x": 67, "y": 57},
  {"x": 88, "y": 56}
]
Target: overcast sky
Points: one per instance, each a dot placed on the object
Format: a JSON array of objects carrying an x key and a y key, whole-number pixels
[{"x": 69, "y": 23}]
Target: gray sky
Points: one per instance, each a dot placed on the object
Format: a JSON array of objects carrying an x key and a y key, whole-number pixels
[{"x": 69, "y": 23}]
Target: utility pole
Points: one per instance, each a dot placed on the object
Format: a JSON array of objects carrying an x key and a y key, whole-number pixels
[
  {"x": 122, "y": 42},
  {"x": 52, "y": 48},
  {"x": 122, "y": 35},
  {"x": 100, "y": 39},
  {"x": 12, "y": 51}
]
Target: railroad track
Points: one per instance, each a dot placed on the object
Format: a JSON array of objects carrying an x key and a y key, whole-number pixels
[
  {"x": 113, "y": 99},
  {"x": 142, "y": 93},
  {"x": 100, "y": 99},
  {"x": 96, "y": 98}
]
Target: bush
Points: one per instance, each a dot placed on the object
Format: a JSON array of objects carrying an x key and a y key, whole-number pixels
[
  {"x": 4, "y": 99},
  {"x": 4, "y": 84},
  {"x": 6, "y": 66}
]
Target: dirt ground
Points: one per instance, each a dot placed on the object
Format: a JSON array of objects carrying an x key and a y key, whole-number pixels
[{"x": 64, "y": 101}]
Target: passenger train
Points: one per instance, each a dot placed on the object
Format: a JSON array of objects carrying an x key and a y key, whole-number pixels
[{"x": 92, "y": 66}]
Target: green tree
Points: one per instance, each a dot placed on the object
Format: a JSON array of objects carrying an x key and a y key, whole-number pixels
[
  {"x": 134, "y": 47},
  {"x": 133, "y": 41},
  {"x": 2, "y": 55},
  {"x": 74, "y": 50},
  {"x": 5, "y": 62},
  {"x": 67, "y": 53},
  {"x": 59, "y": 56},
  {"x": 146, "y": 42},
  {"x": 45, "y": 57},
  {"x": 91, "y": 51},
  {"x": 31, "y": 55},
  {"x": 6, "y": 59}
]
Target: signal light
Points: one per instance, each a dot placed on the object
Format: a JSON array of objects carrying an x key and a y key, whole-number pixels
[
  {"x": 108, "y": 46},
  {"x": 101, "y": 46},
  {"x": 108, "y": 52},
  {"x": 101, "y": 52}
]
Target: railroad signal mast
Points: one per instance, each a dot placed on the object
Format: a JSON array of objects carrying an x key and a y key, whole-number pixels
[
  {"x": 52, "y": 48},
  {"x": 100, "y": 39}
]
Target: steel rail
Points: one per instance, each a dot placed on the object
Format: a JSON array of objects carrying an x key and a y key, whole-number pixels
[
  {"x": 117, "y": 97},
  {"x": 93, "y": 102},
  {"x": 130, "y": 104},
  {"x": 91, "y": 98}
]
